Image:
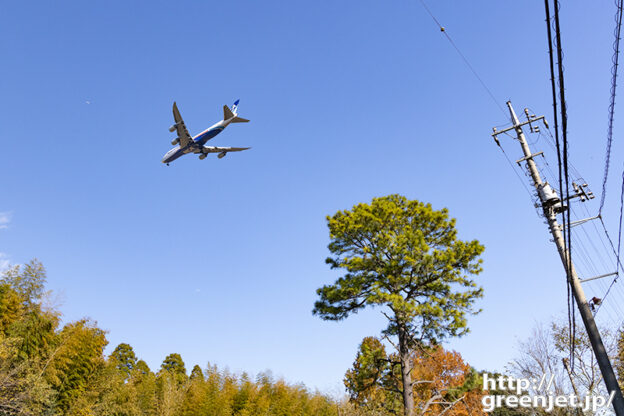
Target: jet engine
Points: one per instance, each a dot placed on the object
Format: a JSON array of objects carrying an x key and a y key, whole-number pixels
[
  {"x": 175, "y": 141},
  {"x": 173, "y": 127},
  {"x": 221, "y": 155},
  {"x": 202, "y": 156}
]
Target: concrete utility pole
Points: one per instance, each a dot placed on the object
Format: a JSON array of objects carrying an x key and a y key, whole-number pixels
[{"x": 552, "y": 205}]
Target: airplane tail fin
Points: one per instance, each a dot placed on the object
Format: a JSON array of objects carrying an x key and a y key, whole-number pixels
[
  {"x": 233, "y": 113},
  {"x": 227, "y": 113}
]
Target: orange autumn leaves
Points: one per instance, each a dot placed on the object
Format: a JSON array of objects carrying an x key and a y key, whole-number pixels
[
  {"x": 443, "y": 382},
  {"x": 451, "y": 378}
]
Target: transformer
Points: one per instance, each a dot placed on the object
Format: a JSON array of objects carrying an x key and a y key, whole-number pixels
[{"x": 549, "y": 198}]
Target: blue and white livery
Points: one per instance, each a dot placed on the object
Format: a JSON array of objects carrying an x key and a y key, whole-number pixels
[{"x": 187, "y": 144}]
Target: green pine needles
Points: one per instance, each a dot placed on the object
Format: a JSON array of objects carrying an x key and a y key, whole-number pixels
[{"x": 405, "y": 257}]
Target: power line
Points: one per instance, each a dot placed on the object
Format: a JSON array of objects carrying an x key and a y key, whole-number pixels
[
  {"x": 616, "y": 53},
  {"x": 516, "y": 172},
  {"x": 474, "y": 72},
  {"x": 619, "y": 242},
  {"x": 562, "y": 154}
]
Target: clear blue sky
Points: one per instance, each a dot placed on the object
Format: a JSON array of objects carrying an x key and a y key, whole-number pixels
[{"x": 219, "y": 260}]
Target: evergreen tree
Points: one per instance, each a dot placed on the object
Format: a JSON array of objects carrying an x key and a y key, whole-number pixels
[
  {"x": 405, "y": 257},
  {"x": 143, "y": 381},
  {"x": 197, "y": 373},
  {"x": 124, "y": 358},
  {"x": 142, "y": 367},
  {"x": 173, "y": 364}
]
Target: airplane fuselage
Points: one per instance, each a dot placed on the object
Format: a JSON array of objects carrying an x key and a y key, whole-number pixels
[{"x": 197, "y": 143}]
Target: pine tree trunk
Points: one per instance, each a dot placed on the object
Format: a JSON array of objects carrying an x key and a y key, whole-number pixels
[{"x": 406, "y": 373}]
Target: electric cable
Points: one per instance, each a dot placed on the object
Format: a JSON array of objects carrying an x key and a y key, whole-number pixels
[
  {"x": 474, "y": 72},
  {"x": 614, "y": 69},
  {"x": 619, "y": 243}
]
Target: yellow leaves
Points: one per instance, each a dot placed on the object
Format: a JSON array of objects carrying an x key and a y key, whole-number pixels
[
  {"x": 11, "y": 307},
  {"x": 74, "y": 361},
  {"x": 619, "y": 359}
]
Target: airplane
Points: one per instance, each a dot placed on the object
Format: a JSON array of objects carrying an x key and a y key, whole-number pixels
[{"x": 187, "y": 144}]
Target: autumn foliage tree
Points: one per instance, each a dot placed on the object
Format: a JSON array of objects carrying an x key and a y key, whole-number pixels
[
  {"x": 442, "y": 381},
  {"x": 51, "y": 370},
  {"x": 27, "y": 338},
  {"x": 404, "y": 257}
]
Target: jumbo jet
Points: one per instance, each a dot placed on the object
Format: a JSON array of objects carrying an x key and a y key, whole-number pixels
[{"x": 187, "y": 144}]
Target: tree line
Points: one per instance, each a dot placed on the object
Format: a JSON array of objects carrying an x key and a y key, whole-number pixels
[
  {"x": 47, "y": 369},
  {"x": 400, "y": 256}
]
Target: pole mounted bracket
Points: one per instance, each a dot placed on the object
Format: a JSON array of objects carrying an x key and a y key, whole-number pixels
[
  {"x": 583, "y": 192},
  {"x": 583, "y": 221},
  {"x": 531, "y": 118},
  {"x": 518, "y": 126},
  {"x": 494, "y": 136},
  {"x": 598, "y": 277},
  {"x": 529, "y": 157}
]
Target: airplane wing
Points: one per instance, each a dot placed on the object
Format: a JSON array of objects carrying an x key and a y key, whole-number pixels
[
  {"x": 213, "y": 149},
  {"x": 183, "y": 134}
]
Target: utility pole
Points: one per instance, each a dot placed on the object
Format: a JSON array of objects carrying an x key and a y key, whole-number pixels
[{"x": 552, "y": 205}]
